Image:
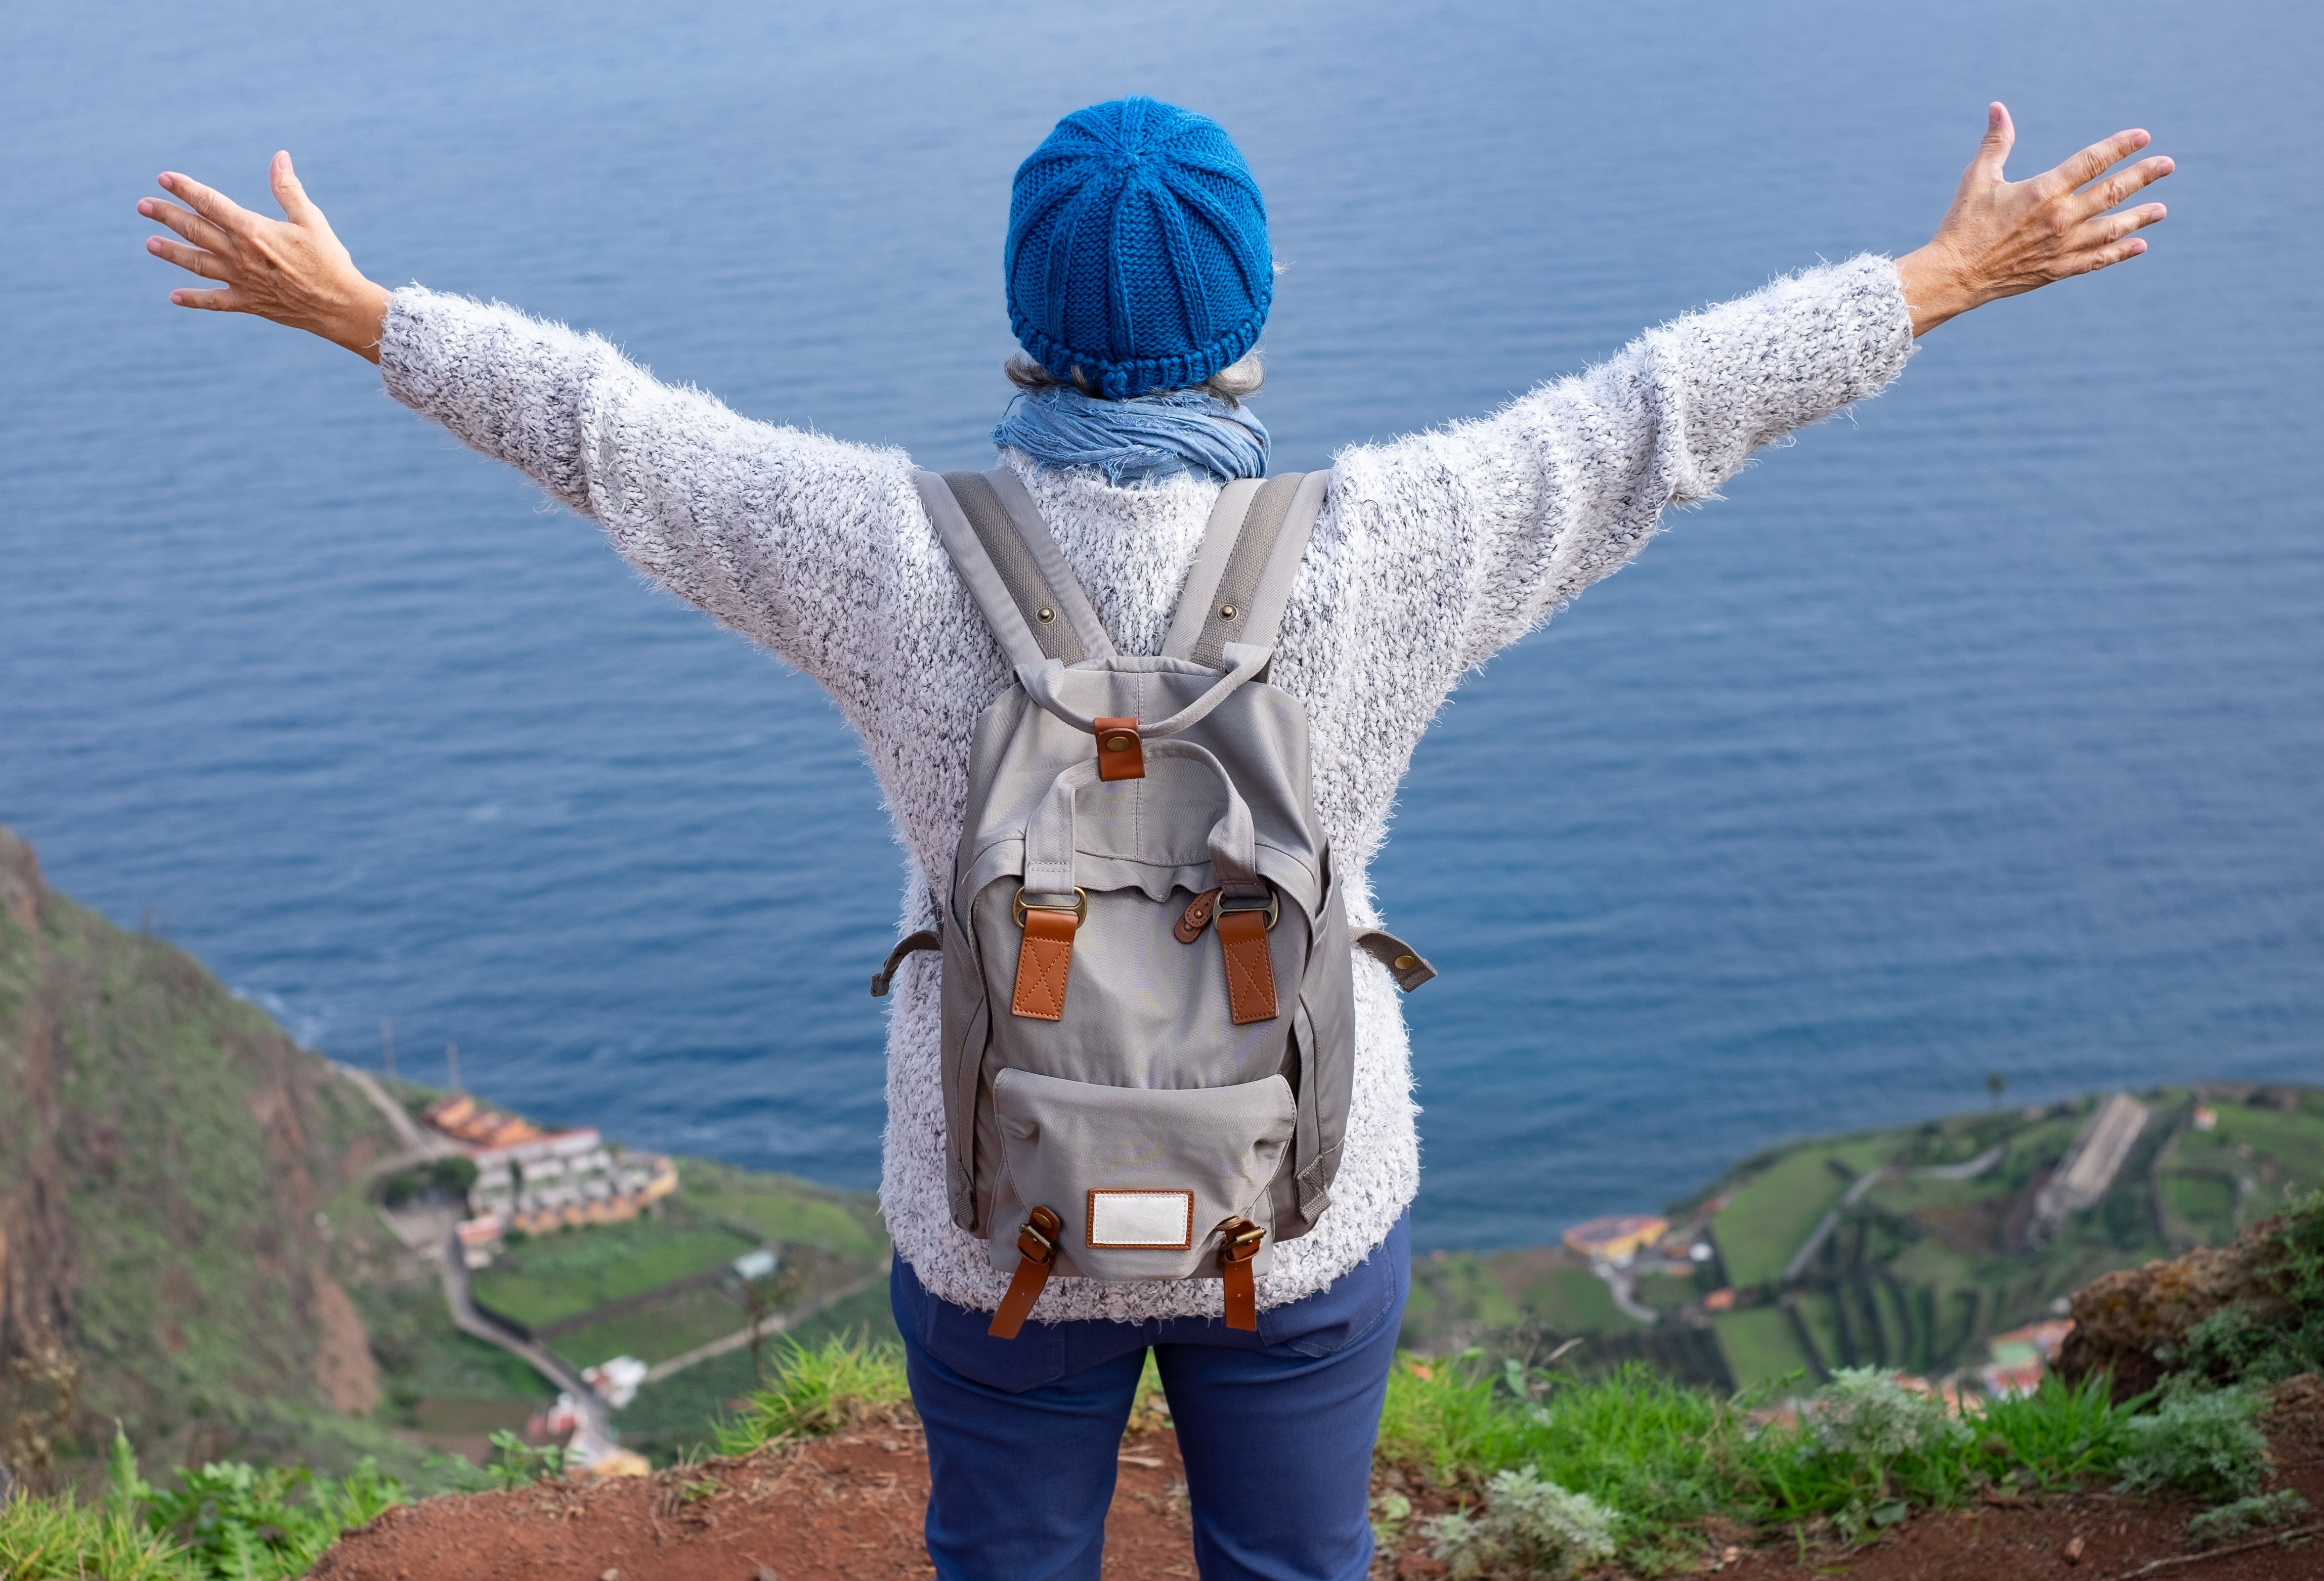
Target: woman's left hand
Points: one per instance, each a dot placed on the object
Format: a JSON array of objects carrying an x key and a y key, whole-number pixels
[{"x": 2001, "y": 238}]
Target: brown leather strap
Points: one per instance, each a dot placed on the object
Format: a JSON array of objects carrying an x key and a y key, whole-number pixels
[
  {"x": 1037, "y": 1254},
  {"x": 1250, "y": 972},
  {"x": 1045, "y": 960},
  {"x": 926, "y": 938},
  {"x": 1196, "y": 916},
  {"x": 1121, "y": 752},
  {"x": 1243, "y": 1239}
]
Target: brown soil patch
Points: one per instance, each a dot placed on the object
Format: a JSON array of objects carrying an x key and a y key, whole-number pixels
[
  {"x": 849, "y": 1508},
  {"x": 846, "y": 1508},
  {"x": 344, "y": 1368}
]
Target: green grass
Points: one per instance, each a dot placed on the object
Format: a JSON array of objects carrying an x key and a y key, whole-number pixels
[
  {"x": 1767, "y": 1221},
  {"x": 1815, "y": 1310},
  {"x": 1665, "y": 1457},
  {"x": 656, "y": 1331},
  {"x": 58, "y": 1539},
  {"x": 1574, "y": 1300},
  {"x": 1758, "y": 1345},
  {"x": 216, "y": 1522},
  {"x": 786, "y": 1211},
  {"x": 818, "y": 1390},
  {"x": 552, "y": 1277},
  {"x": 679, "y": 1414},
  {"x": 186, "y": 1144}
]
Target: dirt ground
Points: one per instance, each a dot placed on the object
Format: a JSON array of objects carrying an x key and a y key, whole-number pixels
[{"x": 848, "y": 1508}]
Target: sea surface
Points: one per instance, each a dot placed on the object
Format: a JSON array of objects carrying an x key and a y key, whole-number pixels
[{"x": 1982, "y": 730}]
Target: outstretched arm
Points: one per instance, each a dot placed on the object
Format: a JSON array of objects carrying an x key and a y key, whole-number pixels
[
  {"x": 1518, "y": 512},
  {"x": 792, "y": 539}
]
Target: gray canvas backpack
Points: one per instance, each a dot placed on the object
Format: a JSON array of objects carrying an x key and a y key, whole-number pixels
[{"x": 1148, "y": 1003}]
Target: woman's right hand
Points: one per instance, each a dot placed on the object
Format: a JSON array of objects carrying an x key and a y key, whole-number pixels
[
  {"x": 2001, "y": 238},
  {"x": 291, "y": 271}
]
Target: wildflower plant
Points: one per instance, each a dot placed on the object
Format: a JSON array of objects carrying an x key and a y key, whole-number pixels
[{"x": 1529, "y": 1528}]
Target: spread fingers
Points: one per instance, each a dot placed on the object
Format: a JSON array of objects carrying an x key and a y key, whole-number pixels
[
  {"x": 208, "y": 266},
  {"x": 2119, "y": 186},
  {"x": 192, "y": 227},
  {"x": 2114, "y": 226},
  {"x": 213, "y": 205},
  {"x": 2098, "y": 258},
  {"x": 2088, "y": 165}
]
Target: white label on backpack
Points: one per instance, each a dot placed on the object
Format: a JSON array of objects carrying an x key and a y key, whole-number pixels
[{"x": 1141, "y": 1220}]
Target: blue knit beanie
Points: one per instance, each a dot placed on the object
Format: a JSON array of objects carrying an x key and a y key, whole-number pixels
[{"x": 1136, "y": 249}]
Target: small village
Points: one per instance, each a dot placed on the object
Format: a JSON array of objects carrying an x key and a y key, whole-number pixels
[
  {"x": 597, "y": 1267},
  {"x": 539, "y": 1182}
]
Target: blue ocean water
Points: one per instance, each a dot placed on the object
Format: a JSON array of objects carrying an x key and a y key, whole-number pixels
[{"x": 1978, "y": 732}]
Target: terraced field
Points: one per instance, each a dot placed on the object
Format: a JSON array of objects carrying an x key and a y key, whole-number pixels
[{"x": 1936, "y": 1242}]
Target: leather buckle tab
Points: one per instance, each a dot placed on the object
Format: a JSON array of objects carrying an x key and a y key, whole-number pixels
[
  {"x": 1241, "y": 1241},
  {"x": 1037, "y": 1249},
  {"x": 1121, "y": 751}
]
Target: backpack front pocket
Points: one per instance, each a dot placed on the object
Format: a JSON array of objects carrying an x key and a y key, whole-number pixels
[{"x": 1142, "y": 1178}]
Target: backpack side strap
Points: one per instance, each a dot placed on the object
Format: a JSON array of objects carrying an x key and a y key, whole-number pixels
[
  {"x": 1244, "y": 603},
  {"x": 1404, "y": 962}
]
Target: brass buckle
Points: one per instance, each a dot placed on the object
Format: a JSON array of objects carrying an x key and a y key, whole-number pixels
[
  {"x": 1225, "y": 905},
  {"x": 1017, "y": 908},
  {"x": 1242, "y": 1241}
]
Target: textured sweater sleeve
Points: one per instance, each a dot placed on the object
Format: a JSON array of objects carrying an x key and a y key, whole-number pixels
[
  {"x": 799, "y": 541},
  {"x": 1497, "y": 522}
]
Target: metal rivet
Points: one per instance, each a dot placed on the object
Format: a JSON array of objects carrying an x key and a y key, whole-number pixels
[
  {"x": 1407, "y": 962},
  {"x": 1226, "y": 611},
  {"x": 1045, "y": 614},
  {"x": 1117, "y": 743}
]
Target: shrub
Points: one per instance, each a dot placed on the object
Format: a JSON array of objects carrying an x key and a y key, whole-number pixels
[
  {"x": 2246, "y": 1344},
  {"x": 1530, "y": 1528},
  {"x": 817, "y": 1391},
  {"x": 1866, "y": 1416},
  {"x": 2256, "y": 1513},
  {"x": 2202, "y": 1442}
]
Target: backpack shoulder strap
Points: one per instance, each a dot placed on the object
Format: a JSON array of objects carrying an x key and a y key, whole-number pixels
[
  {"x": 1244, "y": 572},
  {"x": 1011, "y": 567}
]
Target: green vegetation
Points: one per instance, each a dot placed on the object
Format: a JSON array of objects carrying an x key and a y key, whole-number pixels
[
  {"x": 1943, "y": 1248},
  {"x": 219, "y": 1522},
  {"x": 1765, "y": 1222},
  {"x": 61, "y": 1540},
  {"x": 1663, "y": 1457},
  {"x": 2255, "y": 1513},
  {"x": 181, "y": 1198},
  {"x": 1760, "y": 1345},
  {"x": 446, "y": 1177},
  {"x": 542, "y": 1279},
  {"x": 784, "y": 1209},
  {"x": 675, "y": 1416},
  {"x": 2202, "y": 1440},
  {"x": 817, "y": 1391},
  {"x": 1529, "y": 1528},
  {"x": 2257, "y": 1344}
]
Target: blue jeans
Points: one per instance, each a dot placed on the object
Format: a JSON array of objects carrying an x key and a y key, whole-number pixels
[{"x": 1275, "y": 1429}]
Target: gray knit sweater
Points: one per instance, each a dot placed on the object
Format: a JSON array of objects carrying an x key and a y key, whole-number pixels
[{"x": 1434, "y": 552}]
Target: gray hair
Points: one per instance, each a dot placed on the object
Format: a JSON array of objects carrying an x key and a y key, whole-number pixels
[{"x": 1232, "y": 383}]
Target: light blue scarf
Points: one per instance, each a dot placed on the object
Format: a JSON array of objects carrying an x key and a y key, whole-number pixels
[{"x": 1145, "y": 439}]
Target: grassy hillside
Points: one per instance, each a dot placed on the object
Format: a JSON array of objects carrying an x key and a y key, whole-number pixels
[
  {"x": 1933, "y": 1246},
  {"x": 191, "y": 1240},
  {"x": 173, "y": 1174}
]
